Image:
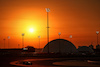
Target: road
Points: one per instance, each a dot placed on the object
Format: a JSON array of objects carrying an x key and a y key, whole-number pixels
[{"x": 46, "y": 62}]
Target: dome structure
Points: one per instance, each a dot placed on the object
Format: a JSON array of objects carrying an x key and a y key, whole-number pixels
[
  {"x": 60, "y": 46},
  {"x": 85, "y": 49}
]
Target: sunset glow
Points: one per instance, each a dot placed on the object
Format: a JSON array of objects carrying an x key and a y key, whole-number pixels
[
  {"x": 78, "y": 18},
  {"x": 31, "y": 30}
]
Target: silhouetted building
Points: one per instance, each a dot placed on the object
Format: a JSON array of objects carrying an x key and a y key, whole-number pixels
[
  {"x": 91, "y": 46},
  {"x": 79, "y": 46},
  {"x": 29, "y": 49},
  {"x": 85, "y": 49},
  {"x": 60, "y": 46},
  {"x": 98, "y": 46},
  {"x": 38, "y": 49},
  {"x": 10, "y": 52}
]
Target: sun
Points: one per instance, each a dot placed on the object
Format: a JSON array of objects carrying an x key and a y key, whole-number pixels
[{"x": 31, "y": 30}]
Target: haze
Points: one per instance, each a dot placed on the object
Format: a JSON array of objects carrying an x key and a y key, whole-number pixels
[{"x": 79, "y": 18}]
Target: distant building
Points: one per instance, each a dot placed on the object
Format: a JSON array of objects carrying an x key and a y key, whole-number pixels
[
  {"x": 38, "y": 49},
  {"x": 85, "y": 49},
  {"x": 65, "y": 46},
  {"x": 29, "y": 49},
  {"x": 91, "y": 46},
  {"x": 98, "y": 46},
  {"x": 79, "y": 46}
]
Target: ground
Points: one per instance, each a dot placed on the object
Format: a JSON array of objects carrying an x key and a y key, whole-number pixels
[{"x": 47, "y": 62}]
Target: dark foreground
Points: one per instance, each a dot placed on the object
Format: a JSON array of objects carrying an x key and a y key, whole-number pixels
[
  {"x": 48, "y": 60},
  {"x": 5, "y": 61}
]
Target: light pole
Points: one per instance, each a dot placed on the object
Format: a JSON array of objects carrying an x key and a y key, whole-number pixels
[
  {"x": 70, "y": 37},
  {"x": 39, "y": 41},
  {"x": 59, "y": 40},
  {"x": 59, "y": 34},
  {"x": 4, "y": 42},
  {"x": 23, "y": 40},
  {"x": 97, "y": 32},
  {"x": 8, "y": 41},
  {"x": 47, "y": 10},
  {"x": 18, "y": 45}
]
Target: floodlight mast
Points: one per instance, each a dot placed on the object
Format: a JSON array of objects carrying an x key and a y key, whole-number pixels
[
  {"x": 8, "y": 40},
  {"x": 23, "y": 40},
  {"x": 59, "y": 34},
  {"x": 97, "y": 32},
  {"x": 70, "y": 37},
  {"x": 47, "y": 10},
  {"x": 4, "y": 42},
  {"x": 39, "y": 41},
  {"x": 59, "y": 42}
]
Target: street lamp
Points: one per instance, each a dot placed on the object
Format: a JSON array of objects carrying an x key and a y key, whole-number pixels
[
  {"x": 70, "y": 37},
  {"x": 18, "y": 45},
  {"x": 23, "y": 40},
  {"x": 59, "y": 34},
  {"x": 47, "y": 10},
  {"x": 59, "y": 40},
  {"x": 8, "y": 41},
  {"x": 97, "y": 32},
  {"x": 39, "y": 41},
  {"x": 4, "y": 42}
]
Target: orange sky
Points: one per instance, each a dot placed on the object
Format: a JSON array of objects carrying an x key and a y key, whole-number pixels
[{"x": 79, "y": 18}]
